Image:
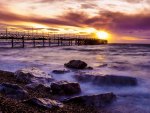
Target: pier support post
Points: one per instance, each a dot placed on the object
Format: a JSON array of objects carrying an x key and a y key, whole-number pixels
[
  {"x": 78, "y": 42},
  {"x": 71, "y": 42},
  {"x": 23, "y": 42},
  {"x": 75, "y": 41},
  {"x": 49, "y": 42},
  {"x": 33, "y": 42},
  {"x": 61, "y": 41},
  {"x": 43, "y": 42},
  {"x": 58, "y": 41},
  {"x": 12, "y": 42}
]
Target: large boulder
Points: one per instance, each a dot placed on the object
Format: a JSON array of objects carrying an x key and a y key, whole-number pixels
[
  {"x": 99, "y": 100},
  {"x": 44, "y": 103},
  {"x": 76, "y": 64},
  {"x": 33, "y": 75},
  {"x": 65, "y": 88},
  {"x": 13, "y": 91},
  {"x": 107, "y": 79}
]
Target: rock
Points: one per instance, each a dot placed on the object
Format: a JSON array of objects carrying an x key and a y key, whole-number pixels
[
  {"x": 65, "y": 88},
  {"x": 83, "y": 77},
  {"x": 118, "y": 80},
  {"x": 107, "y": 79},
  {"x": 33, "y": 75},
  {"x": 60, "y": 71},
  {"x": 13, "y": 91},
  {"x": 6, "y": 73},
  {"x": 89, "y": 68},
  {"x": 44, "y": 103},
  {"x": 99, "y": 100},
  {"x": 76, "y": 64},
  {"x": 39, "y": 87}
]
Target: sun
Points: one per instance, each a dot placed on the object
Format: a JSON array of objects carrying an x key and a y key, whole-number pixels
[{"x": 102, "y": 35}]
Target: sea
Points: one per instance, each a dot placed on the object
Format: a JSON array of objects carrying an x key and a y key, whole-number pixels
[{"x": 112, "y": 59}]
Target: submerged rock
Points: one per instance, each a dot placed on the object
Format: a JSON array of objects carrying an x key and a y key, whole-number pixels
[
  {"x": 120, "y": 67},
  {"x": 65, "y": 88},
  {"x": 107, "y": 79},
  {"x": 44, "y": 103},
  {"x": 60, "y": 71},
  {"x": 93, "y": 100},
  {"x": 117, "y": 80},
  {"x": 13, "y": 91},
  {"x": 76, "y": 64},
  {"x": 33, "y": 75}
]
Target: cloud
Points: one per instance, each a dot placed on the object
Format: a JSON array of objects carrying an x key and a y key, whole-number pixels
[
  {"x": 113, "y": 21},
  {"x": 134, "y": 1},
  {"x": 88, "y": 6},
  {"x": 137, "y": 1},
  {"x": 8, "y": 16},
  {"x": 53, "y": 29},
  {"x": 133, "y": 22}
]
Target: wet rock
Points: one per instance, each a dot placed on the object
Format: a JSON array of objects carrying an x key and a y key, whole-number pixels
[
  {"x": 6, "y": 73},
  {"x": 65, "y": 88},
  {"x": 13, "y": 91},
  {"x": 89, "y": 68},
  {"x": 107, "y": 79},
  {"x": 99, "y": 100},
  {"x": 116, "y": 80},
  {"x": 60, "y": 71},
  {"x": 44, "y": 103},
  {"x": 83, "y": 77},
  {"x": 38, "y": 87},
  {"x": 76, "y": 64},
  {"x": 33, "y": 75}
]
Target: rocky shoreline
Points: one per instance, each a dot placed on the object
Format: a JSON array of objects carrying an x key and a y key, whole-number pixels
[{"x": 32, "y": 90}]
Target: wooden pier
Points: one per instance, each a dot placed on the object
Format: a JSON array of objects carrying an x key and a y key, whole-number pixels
[{"x": 21, "y": 40}]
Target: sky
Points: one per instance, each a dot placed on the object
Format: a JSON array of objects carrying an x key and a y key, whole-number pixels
[{"x": 127, "y": 21}]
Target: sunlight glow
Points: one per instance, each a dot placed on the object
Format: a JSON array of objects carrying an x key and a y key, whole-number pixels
[{"x": 102, "y": 35}]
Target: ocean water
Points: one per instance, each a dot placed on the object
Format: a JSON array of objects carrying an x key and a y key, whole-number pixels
[{"x": 122, "y": 60}]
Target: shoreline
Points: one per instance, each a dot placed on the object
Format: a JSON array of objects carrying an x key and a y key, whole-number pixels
[{"x": 8, "y": 105}]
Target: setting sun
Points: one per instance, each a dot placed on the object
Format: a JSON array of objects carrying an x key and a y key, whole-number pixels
[{"x": 102, "y": 35}]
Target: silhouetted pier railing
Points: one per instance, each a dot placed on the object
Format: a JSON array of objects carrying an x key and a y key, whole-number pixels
[{"x": 29, "y": 40}]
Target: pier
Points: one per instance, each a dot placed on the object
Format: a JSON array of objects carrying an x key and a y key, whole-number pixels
[{"x": 22, "y": 40}]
